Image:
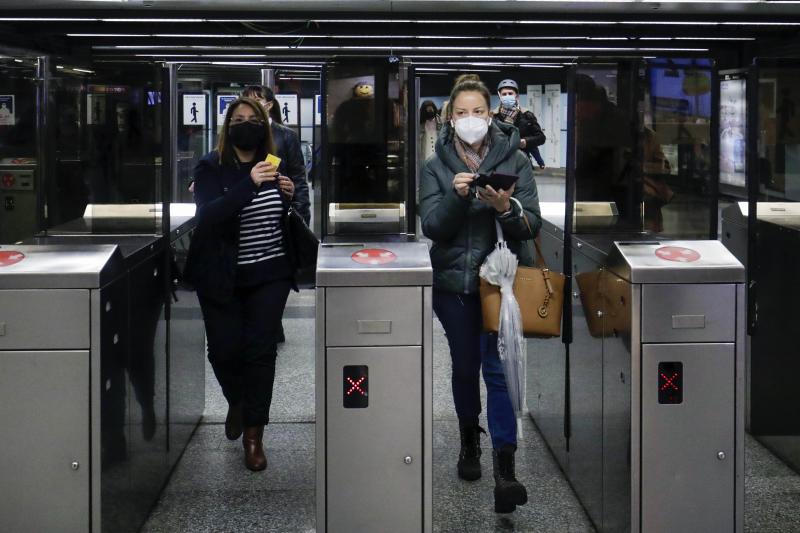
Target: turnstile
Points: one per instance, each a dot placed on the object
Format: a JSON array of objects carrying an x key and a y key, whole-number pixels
[
  {"x": 687, "y": 381},
  {"x": 374, "y": 388},
  {"x": 63, "y": 318},
  {"x": 637, "y": 464}
]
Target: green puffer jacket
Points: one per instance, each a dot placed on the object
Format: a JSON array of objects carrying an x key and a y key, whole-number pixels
[{"x": 462, "y": 229}]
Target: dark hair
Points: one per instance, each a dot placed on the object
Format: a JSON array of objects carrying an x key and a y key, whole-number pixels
[
  {"x": 469, "y": 86},
  {"x": 424, "y": 105},
  {"x": 224, "y": 146},
  {"x": 264, "y": 93}
]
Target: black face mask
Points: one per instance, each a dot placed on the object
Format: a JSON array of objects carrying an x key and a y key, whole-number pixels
[
  {"x": 247, "y": 136},
  {"x": 428, "y": 114}
]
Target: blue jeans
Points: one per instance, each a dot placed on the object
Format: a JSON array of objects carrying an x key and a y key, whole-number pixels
[{"x": 471, "y": 350}]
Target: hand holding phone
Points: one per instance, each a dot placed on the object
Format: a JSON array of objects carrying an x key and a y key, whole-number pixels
[{"x": 496, "y": 181}]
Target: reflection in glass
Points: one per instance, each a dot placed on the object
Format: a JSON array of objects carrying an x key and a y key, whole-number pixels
[
  {"x": 676, "y": 144},
  {"x": 105, "y": 148},
  {"x": 733, "y": 128},
  {"x": 606, "y": 118},
  {"x": 366, "y": 123},
  {"x": 642, "y": 142},
  {"x": 20, "y": 178}
]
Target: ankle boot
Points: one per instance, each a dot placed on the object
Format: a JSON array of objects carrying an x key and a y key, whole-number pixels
[
  {"x": 254, "y": 458},
  {"x": 233, "y": 422},
  {"x": 508, "y": 492},
  {"x": 469, "y": 458}
]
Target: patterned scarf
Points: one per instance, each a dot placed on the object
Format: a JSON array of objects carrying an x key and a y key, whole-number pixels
[
  {"x": 508, "y": 115},
  {"x": 470, "y": 157}
]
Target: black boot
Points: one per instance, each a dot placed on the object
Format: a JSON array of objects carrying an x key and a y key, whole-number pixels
[
  {"x": 508, "y": 492},
  {"x": 469, "y": 458}
]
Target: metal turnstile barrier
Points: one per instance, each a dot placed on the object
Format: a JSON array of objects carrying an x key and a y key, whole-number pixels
[
  {"x": 687, "y": 382},
  {"x": 63, "y": 316},
  {"x": 374, "y": 388}
]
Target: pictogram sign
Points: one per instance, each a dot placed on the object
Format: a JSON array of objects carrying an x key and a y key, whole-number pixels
[{"x": 8, "y": 181}]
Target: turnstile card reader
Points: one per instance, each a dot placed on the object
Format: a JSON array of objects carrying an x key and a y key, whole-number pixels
[
  {"x": 374, "y": 388},
  {"x": 687, "y": 394}
]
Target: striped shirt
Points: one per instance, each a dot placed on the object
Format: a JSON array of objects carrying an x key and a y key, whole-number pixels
[{"x": 260, "y": 235}]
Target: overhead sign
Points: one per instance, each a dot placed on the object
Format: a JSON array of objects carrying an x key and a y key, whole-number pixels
[
  {"x": 288, "y": 106},
  {"x": 194, "y": 110}
]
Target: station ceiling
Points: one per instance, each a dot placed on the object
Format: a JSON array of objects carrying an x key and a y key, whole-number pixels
[{"x": 433, "y": 33}]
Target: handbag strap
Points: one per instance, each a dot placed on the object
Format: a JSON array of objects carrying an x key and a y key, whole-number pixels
[{"x": 538, "y": 256}]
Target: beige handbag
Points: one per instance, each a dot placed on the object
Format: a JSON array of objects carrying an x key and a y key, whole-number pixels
[{"x": 539, "y": 292}]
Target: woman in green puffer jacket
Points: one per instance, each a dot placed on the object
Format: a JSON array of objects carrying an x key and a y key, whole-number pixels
[{"x": 461, "y": 224}]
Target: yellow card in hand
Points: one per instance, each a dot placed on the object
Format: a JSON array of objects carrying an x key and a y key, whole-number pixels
[{"x": 273, "y": 160}]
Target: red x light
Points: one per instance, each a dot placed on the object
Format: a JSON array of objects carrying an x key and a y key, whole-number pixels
[
  {"x": 356, "y": 386},
  {"x": 670, "y": 382},
  {"x": 355, "y": 390}
]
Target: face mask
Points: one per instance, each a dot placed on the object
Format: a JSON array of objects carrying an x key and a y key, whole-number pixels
[
  {"x": 508, "y": 101},
  {"x": 247, "y": 136},
  {"x": 471, "y": 129},
  {"x": 429, "y": 114}
]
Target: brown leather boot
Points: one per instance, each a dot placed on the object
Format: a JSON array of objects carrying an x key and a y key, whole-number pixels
[
  {"x": 233, "y": 422},
  {"x": 254, "y": 458}
]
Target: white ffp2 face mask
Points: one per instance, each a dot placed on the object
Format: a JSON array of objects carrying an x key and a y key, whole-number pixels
[{"x": 471, "y": 129}]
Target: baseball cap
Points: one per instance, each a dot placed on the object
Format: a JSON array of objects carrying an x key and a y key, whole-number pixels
[{"x": 508, "y": 83}]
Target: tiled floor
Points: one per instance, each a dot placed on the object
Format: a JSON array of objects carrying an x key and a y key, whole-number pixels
[{"x": 211, "y": 491}]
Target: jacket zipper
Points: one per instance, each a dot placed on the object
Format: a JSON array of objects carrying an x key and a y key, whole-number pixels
[{"x": 468, "y": 256}]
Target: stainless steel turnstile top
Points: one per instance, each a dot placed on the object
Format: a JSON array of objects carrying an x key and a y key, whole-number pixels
[
  {"x": 58, "y": 266},
  {"x": 675, "y": 262},
  {"x": 374, "y": 264}
]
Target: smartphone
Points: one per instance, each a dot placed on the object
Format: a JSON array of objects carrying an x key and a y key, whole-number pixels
[
  {"x": 275, "y": 160},
  {"x": 496, "y": 180}
]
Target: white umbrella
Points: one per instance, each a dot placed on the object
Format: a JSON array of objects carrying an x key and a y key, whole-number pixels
[{"x": 500, "y": 268}]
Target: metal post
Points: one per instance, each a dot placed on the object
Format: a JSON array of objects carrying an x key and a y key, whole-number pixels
[
  {"x": 268, "y": 77},
  {"x": 44, "y": 160}
]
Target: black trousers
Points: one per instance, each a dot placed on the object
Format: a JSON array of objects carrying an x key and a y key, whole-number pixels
[{"x": 242, "y": 345}]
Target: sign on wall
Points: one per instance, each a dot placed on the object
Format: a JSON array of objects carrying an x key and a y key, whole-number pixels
[
  {"x": 223, "y": 101},
  {"x": 288, "y": 106},
  {"x": 7, "y": 110},
  {"x": 317, "y": 110},
  {"x": 194, "y": 110}
]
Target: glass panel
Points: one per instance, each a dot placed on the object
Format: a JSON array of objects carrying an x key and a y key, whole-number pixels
[
  {"x": 203, "y": 91},
  {"x": 20, "y": 177},
  {"x": 773, "y": 263},
  {"x": 104, "y": 150},
  {"x": 607, "y": 176},
  {"x": 366, "y": 127},
  {"x": 676, "y": 144},
  {"x": 643, "y": 148}
]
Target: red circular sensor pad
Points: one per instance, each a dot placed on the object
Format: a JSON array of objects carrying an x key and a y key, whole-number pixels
[
  {"x": 677, "y": 254},
  {"x": 373, "y": 256}
]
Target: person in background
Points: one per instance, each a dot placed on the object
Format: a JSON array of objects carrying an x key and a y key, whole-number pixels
[
  {"x": 287, "y": 147},
  {"x": 510, "y": 112},
  {"x": 238, "y": 265},
  {"x": 430, "y": 123},
  {"x": 461, "y": 224}
]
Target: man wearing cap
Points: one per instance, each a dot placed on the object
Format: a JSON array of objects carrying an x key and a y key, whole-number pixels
[{"x": 510, "y": 112}]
